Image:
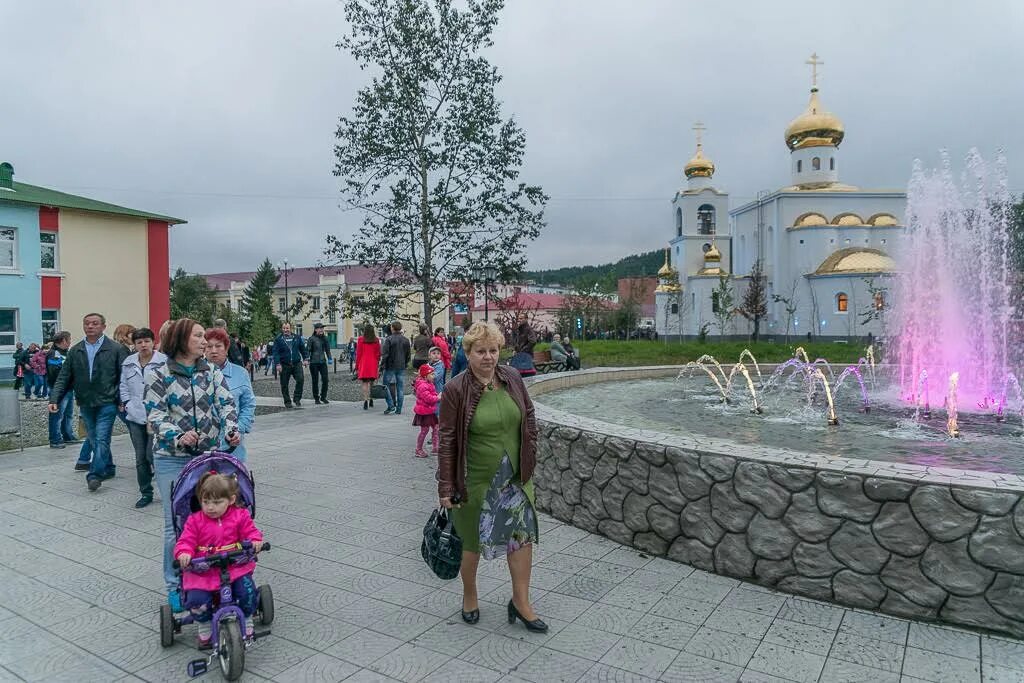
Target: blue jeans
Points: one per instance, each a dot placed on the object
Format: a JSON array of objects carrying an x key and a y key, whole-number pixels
[
  {"x": 100, "y": 423},
  {"x": 29, "y": 382},
  {"x": 396, "y": 378},
  {"x": 167, "y": 468},
  {"x": 62, "y": 426}
]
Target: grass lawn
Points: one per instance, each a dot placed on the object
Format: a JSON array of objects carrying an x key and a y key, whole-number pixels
[{"x": 597, "y": 353}]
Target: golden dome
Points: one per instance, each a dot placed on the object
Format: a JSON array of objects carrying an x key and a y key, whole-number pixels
[
  {"x": 848, "y": 219},
  {"x": 699, "y": 166},
  {"x": 815, "y": 127},
  {"x": 713, "y": 254},
  {"x": 883, "y": 219},
  {"x": 856, "y": 260},
  {"x": 666, "y": 270}
]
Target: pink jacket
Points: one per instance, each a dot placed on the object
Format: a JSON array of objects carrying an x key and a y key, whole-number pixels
[
  {"x": 38, "y": 362},
  {"x": 203, "y": 536},
  {"x": 426, "y": 397}
]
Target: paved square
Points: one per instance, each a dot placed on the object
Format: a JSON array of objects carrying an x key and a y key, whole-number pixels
[{"x": 343, "y": 502}]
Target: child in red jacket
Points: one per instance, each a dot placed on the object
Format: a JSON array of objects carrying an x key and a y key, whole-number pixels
[
  {"x": 425, "y": 418},
  {"x": 219, "y": 526}
]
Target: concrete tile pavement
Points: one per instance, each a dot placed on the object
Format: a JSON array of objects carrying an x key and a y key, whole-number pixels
[{"x": 343, "y": 502}]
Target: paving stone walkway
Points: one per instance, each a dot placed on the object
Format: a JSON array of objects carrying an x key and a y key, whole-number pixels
[{"x": 343, "y": 503}]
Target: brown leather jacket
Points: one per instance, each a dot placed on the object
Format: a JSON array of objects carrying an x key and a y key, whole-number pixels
[{"x": 458, "y": 404}]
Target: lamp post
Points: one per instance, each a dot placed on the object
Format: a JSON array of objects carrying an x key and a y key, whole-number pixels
[
  {"x": 284, "y": 269},
  {"x": 487, "y": 275}
]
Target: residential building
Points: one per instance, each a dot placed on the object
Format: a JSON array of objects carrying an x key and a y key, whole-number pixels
[{"x": 63, "y": 256}]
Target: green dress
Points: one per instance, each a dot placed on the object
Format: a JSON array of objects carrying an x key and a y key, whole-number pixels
[{"x": 498, "y": 518}]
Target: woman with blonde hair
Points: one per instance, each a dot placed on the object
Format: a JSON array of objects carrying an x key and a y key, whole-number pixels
[
  {"x": 485, "y": 468},
  {"x": 123, "y": 336}
]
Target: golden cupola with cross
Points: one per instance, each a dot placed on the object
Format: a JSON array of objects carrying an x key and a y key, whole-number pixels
[
  {"x": 815, "y": 127},
  {"x": 668, "y": 277},
  {"x": 699, "y": 166}
]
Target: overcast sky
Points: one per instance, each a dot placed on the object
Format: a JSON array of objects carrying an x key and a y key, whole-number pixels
[{"x": 223, "y": 113}]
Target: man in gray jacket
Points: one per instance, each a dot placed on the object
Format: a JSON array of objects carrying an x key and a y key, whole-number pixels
[
  {"x": 319, "y": 355},
  {"x": 394, "y": 357}
]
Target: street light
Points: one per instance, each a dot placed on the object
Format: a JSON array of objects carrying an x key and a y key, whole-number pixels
[
  {"x": 487, "y": 275},
  {"x": 284, "y": 269}
]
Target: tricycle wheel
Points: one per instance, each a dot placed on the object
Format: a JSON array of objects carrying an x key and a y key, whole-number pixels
[
  {"x": 266, "y": 605},
  {"x": 166, "y": 626},
  {"x": 231, "y": 650}
]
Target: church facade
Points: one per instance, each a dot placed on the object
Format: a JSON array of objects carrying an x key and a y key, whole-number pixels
[{"x": 824, "y": 248}]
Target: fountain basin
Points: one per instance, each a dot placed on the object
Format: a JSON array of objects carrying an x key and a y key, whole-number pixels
[{"x": 912, "y": 540}]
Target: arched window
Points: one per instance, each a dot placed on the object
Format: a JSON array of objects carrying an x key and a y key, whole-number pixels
[
  {"x": 799, "y": 165},
  {"x": 879, "y": 301},
  {"x": 714, "y": 302},
  {"x": 816, "y": 164},
  {"x": 831, "y": 163},
  {"x": 842, "y": 303},
  {"x": 706, "y": 219},
  {"x": 679, "y": 222}
]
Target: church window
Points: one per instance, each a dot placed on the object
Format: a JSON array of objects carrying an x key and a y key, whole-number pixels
[
  {"x": 675, "y": 309},
  {"x": 799, "y": 165},
  {"x": 714, "y": 302},
  {"x": 679, "y": 222},
  {"x": 816, "y": 164},
  {"x": 879, "y": 301},
  {"x": 842, "y": 303},
  {"x": 706, "y": 219},
  {"x": 831, "y": 163}
]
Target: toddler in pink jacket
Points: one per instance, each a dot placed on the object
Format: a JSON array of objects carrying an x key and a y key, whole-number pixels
[
  {"x": 425, "y": 411},
  {"x": 219, "y": 526}
]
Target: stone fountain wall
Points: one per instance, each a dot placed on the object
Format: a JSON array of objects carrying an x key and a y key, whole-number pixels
[{"x": 907, "y": 540}]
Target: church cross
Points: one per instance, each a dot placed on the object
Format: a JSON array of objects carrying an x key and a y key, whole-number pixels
[
  {"x": 699, "y": 128},
  {"x": 815, "y": 63}
]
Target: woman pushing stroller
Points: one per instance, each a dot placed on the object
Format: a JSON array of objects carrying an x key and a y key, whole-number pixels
[{"x": 220, "y": 525}]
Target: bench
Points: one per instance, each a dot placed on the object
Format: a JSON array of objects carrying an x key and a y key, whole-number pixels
[{"x": 542, "y": 361}]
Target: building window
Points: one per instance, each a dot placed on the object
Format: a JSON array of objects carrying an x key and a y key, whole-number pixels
[
  {"x": 281, "y": 305},
  {"x": 799, "y": 165},
  {"x": 816, "y": 164},
  {"x": 332, "y": 309},
  {"x": 298, "y": 329},
  {"x": 51, "y": 324},
  {"x": 831, "y": 163},
  {"x": 842, "y": 303},
  {"x": 679, "y": 222},
  {"x": 675, "y": 309},
  {"x": 706, "y": 219},
  {"x": 714, "y": 302},
  {"x": 8, "y": 326},
  {"x": 316, "y": 303},
  {"x": 879, "y": 301},
  {"x": 8, "y": 247},
  {"x": 48, "y": 250}
]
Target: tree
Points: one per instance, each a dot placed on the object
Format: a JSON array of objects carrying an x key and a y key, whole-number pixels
[
  {"x": 425, "y": 154},
  {"x": 260, "y": 323},
  {"x": 723, "y": 304},
  {"x": 192, "y": 297},
  {"x": 877, "y": 306},
  {"x": 790, "y": 305},
  {"x": 755, "y": 299}
]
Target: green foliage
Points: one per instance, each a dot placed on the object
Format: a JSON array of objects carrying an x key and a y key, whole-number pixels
[
  {"x": 425, "y": 155},
  {"x": 755, "y": 298},
  {"x": 602, "y": 353},
  {"x": 725, "y": 307},
  {"x": 702, "y": 334},
  {"x": 606, "y": 276},
  {"x": 259, "y": 322},
  {"x": 192, "y": 297}
]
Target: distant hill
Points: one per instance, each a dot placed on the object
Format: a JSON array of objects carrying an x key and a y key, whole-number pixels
[{"x": 605, "y": 275}]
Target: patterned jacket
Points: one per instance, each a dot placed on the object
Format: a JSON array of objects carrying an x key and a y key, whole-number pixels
[{"x": 177, "y": 402}]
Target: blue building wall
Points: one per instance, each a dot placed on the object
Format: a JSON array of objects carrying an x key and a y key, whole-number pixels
[{"x": 20, "y": 286}]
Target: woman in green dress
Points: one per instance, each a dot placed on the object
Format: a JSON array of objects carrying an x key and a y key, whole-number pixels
[{"x": 485, "y": 464}]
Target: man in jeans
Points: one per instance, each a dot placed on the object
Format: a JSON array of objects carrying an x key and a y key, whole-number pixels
[
  {"x": 290, "y": 355},
  {"x": 319, "y": 354},
  {"x": 93, "y": 371},
  {"x": 394, "y": 357},
  {"x": 62, "y": 428}
]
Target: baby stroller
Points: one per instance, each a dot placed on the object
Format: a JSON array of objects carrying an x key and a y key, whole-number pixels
[{"x": 228, "y": 621}]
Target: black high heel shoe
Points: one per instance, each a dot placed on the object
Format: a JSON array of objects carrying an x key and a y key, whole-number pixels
[
  {"x": 537, "y": 626},
  {"x": 472, "y": 616}
]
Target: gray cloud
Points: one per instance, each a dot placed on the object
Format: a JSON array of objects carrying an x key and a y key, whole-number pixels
[{"x": 224, "y": 113}]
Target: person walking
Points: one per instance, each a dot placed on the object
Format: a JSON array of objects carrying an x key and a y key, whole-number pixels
[
  {"x": 442, "y": 344},
  {"x": 367, "y": 362},
  {"x": 486, "y": 458},
  {"x": 19, "y": 374},
  {"x": 27, "y": 374},
  {"x": 438, "y": 365},
  {"x": 290, "y": 355},
  {"x": 395, "y": 354},
  {"x": 61, "y": 423},
  {"x": 133, "y": 390},
  {"x": 38, "y": 364},
  {"x": 217, "y": 344},
  {"x": 319, "y": 356},
  {"x": 523, "y": 340},
  {"x": 189, "y": 409},
  {"x": 425, "y": 416},
  {"x": 421, "y": 344},
  {"x": 247, "y": 359},
  {"x": 459, "y": 360},
  {"x": 351, "y": 356},
  {"x": 93, "y": 371}
]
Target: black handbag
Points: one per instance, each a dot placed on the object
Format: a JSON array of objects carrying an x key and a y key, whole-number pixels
[{"x": 442, "y": 547}]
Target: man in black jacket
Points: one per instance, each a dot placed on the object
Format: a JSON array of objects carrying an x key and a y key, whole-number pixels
[
  {"x": 319, "y": 355},
  {"x": 92, "y": 370},
  {"x": 290, "y": 355},
  {"x": 394, "y": 357}
]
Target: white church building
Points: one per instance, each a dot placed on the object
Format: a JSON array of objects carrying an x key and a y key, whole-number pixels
[{"x": 824, "y": 246}]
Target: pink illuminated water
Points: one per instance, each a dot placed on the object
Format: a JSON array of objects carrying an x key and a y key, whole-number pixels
[{"x": 952, "y": 300}]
